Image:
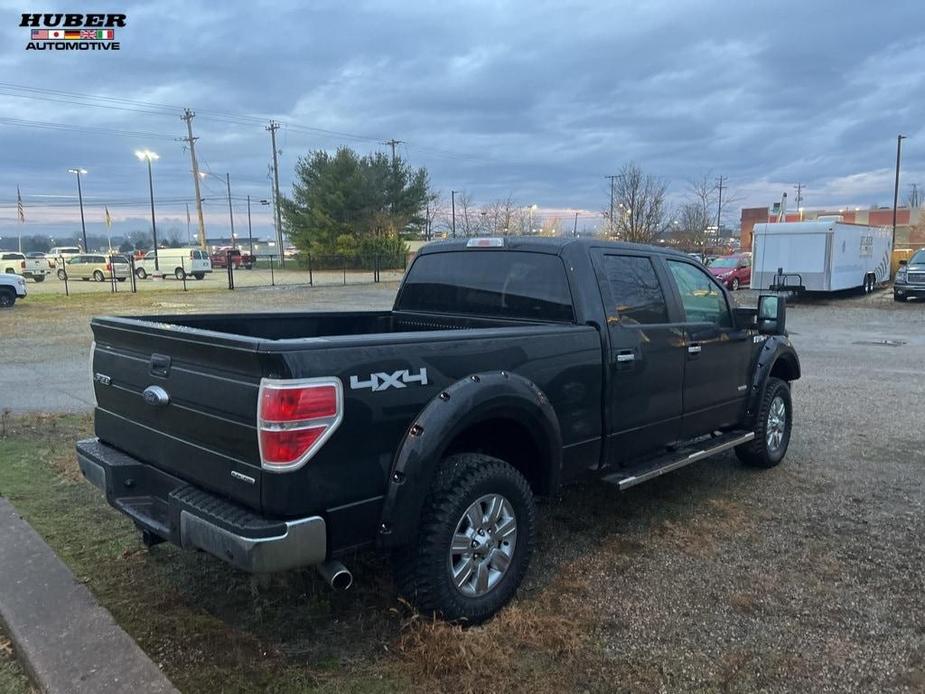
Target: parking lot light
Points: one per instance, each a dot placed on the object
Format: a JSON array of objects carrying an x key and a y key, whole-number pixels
[
  {"x": 149, "y": 156},
  {"x": 80, "y": 198}
]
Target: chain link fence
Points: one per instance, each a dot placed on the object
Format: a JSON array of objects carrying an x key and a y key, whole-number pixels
[{"x": 232, "y": 270}]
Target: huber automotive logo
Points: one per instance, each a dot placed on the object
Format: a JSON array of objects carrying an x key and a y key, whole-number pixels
[{"x": 72, "y": 32}]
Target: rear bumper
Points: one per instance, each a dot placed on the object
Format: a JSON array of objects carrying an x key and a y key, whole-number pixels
[{"x": 194, "y": 519}]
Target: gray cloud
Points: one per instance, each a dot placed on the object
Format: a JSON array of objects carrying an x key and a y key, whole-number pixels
[{"x": 537, "y": 100}]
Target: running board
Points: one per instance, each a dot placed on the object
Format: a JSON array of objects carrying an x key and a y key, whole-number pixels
[{"x": 656, "y": 467}]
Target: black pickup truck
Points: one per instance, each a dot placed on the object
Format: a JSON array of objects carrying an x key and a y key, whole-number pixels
[{"x": 507, "y": 368}]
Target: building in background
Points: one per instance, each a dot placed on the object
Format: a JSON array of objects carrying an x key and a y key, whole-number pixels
[{"x": 910, "y": 222}]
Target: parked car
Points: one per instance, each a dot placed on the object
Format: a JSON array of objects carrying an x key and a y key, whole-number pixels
[
  {"x": 59, "y": 255},
  {"x": 220, "y": 258},
  {"x": 732, "y": 270},
  {"x": 179, "y": 262},
  {"x": 97, "y": 267},
  {"x": 12, "y": 287},
  {"x": 507, "y": 368},
  {"x": 19, "y": 264},
  {"x": 910, "y": 277}
]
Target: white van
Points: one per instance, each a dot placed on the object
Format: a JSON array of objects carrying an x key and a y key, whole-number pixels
[
  {"x": 179, "y": 262},
  {"x": 59, "y": 255}
]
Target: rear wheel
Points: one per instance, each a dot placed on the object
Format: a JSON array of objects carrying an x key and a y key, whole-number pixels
[
  {"x": 10, "y": 271},
  {"x": 39, "y": 278},
  {"x": 98, "y": 276},
  {"x": 140, "y": 273},
  {"x": 474, "y": 541},
  {"x": 62, "y": 275},
  {"x": 7, "y": 297},
  {"x": 773, "y": 426},
  {"x": 180, "y": 273},
  {"x": 735, "y": 284}
]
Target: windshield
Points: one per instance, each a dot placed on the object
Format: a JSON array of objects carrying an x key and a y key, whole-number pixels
[
  {"x": 725, "y": 262},
  {"x": 918, "y": 258}
]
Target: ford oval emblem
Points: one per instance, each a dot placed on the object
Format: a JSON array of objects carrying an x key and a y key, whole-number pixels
[{"x": 155, "y": 396}]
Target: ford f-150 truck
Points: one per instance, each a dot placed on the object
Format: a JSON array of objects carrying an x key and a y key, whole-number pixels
[{"x": 506, "y": 368}]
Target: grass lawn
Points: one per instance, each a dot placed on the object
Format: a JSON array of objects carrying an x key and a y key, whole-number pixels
[
  {"x": 214, "y": 629},
  {"x": 12, "y": 678}
]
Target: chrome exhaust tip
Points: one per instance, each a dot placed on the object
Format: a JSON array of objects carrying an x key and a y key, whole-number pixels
[{"x": 336, "y": 574}]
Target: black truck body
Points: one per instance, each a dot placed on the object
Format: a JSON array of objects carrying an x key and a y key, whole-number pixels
[{"x": 541, "y": 361}]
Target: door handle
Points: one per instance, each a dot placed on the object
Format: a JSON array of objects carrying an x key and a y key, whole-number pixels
[
  {"x": 625, "y": 356},
  {"x": 693, "y": 349}
]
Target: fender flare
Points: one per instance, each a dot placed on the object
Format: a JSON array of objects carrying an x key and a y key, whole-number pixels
[
  {"x": 475, "y": 399},
  {"x": 776, "y": 348}
]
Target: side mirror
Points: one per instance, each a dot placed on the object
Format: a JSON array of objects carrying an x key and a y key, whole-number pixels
[{"x": 772, "y": 314}]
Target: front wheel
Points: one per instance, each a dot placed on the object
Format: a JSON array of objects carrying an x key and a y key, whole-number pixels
[
  {"x": 199, "y": 275},
  {"x": 474, "y": 541},
  {"x": 897, "y": 297},
  {"x": 39, "y": 278},
  {"x": 773, "y": 426},
  {"x": 7, "y": 298}
]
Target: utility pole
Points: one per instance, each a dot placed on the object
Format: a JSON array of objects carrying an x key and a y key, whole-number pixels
[
  {"x": 612, "y": 179},
  {"x": 453, "y": 214},
  {"x": 899, "y": 149},
  {"x": 250, "y": 233},
  {"x": 230, "y": 213},
  {"x": 272, "y": 128},
  {"x": 392, "y": 143},
  {"x": 187, "y": 225},
  {"x": 719, "y": 206},
  {"x": 575, "y": 228},
  {"x": 191, "y": 141},
  {"x": 799, "y": 189},
  {"x": 914, "y": 197}
]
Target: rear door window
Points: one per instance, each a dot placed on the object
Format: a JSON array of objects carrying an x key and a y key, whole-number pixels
[
  {"x": 504, "y": 284},
  {"x": 636, "y": 294}
]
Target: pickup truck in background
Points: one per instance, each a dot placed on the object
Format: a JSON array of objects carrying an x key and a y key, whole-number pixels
[
  {"x": 12, "y": 287},
  {"x": 506, "y": 368},
  {"x": 20, "y": 264}
]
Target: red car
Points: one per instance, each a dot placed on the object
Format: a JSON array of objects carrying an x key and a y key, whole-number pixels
[{"x": 732, "y": 270}]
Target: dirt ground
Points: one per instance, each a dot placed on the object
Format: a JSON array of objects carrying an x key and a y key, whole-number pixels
[{"x": 716, "y": 578}]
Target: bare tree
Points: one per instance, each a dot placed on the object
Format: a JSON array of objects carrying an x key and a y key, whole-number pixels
[
  {"x": 698, "y": 216},
  {"x": 467, "y": 216},
  {"x": 501, "y": 217},
  {"x": 640, "y": 210}
]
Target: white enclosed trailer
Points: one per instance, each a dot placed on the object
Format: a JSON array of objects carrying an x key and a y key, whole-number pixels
[{"x": 824, "y": 255}]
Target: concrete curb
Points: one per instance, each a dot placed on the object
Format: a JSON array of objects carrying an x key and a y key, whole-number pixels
[{"x": 66, "y": 641}]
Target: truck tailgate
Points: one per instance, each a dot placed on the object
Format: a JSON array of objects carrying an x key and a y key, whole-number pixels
[{"x": 206, "y": 430}]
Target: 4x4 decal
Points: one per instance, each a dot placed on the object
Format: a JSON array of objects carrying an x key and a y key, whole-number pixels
[{"x": 383, "y": 381}]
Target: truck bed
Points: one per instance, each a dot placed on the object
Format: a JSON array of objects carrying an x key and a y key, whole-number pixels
[{"x": 212, "y": 366}]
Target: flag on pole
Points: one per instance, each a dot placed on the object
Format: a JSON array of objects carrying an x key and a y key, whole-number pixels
[
  {"x": 20, "y": 210},
  {"x": 107, "y": 218}
]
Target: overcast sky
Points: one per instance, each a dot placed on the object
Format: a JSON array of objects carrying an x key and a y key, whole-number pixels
[{"x": 539, "y": 100}]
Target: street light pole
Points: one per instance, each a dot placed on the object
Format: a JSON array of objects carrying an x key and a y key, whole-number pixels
[
  {"x": 899, "y": 147},
  {"x": 147, "y": 155},
  {"x": 80, "y": 198},
  {"x": 453, "y": 202},
  {"x": 250, "y": 233}
]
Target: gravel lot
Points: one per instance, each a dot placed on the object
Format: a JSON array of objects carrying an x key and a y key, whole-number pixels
[{"x": 807, "y": 577}]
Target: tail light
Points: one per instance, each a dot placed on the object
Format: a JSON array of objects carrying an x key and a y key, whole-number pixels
[
  {"x": 295, "y": 418},
  {"x": 22, "y": 264},
  {"x": 108, "y": 267}
]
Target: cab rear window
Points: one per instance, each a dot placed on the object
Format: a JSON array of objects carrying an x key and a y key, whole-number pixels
[{"x": 503, "y": 284}]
